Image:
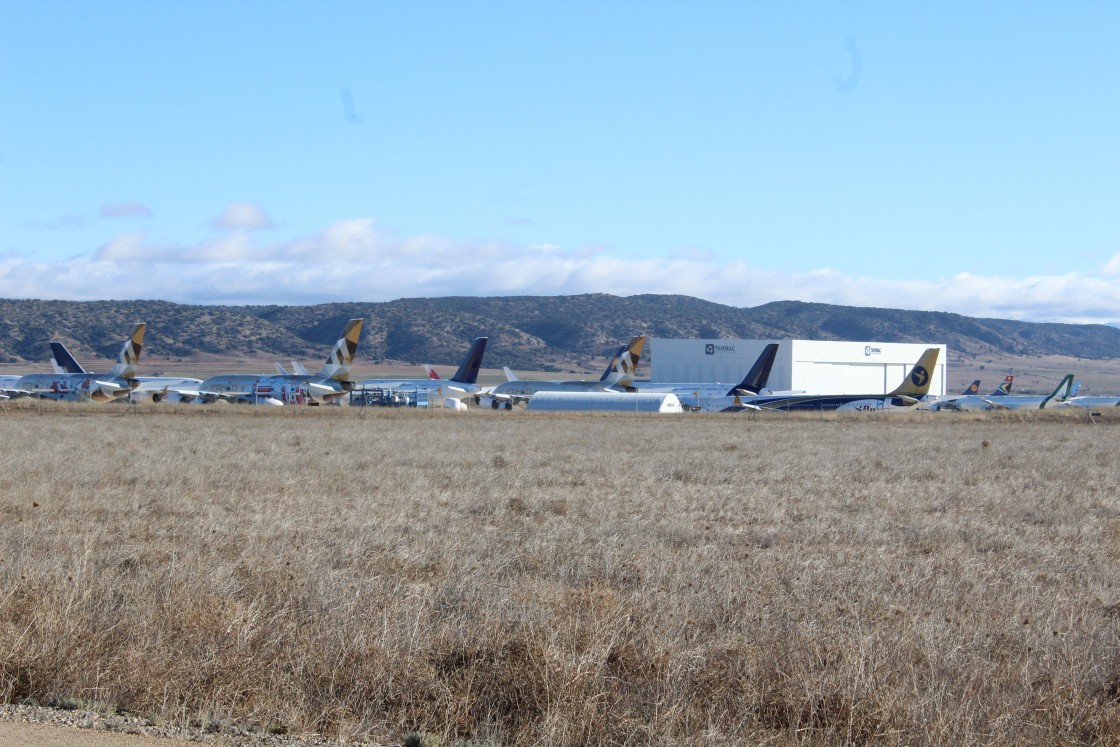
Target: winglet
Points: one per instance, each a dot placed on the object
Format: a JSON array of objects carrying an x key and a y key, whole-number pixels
[
  {"x": 63, "y": 361},
  {"x": 338, "y": 362},
  {"x": 130, "y": 353},
  {"x": 916, "y": 383},
  {"x": 468, "y": 369},
  {"x": 755, "y": 380}
]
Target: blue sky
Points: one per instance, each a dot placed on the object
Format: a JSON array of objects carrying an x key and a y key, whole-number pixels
[{"x": 960, "y": 158}]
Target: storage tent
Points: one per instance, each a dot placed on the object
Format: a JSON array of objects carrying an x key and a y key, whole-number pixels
[{"x": 604, "y": 402}]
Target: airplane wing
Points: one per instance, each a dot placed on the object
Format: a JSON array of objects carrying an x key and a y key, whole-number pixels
[{"x": 738, "y": 405}]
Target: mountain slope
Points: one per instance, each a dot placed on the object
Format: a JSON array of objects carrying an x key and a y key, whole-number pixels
[{"x": 530, "y": 332}]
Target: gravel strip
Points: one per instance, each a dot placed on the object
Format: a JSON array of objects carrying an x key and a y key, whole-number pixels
[{"x": 126, "y": 724}]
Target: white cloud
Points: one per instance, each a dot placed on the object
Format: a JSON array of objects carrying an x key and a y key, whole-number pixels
[
  {"x": 1111, "y": 268},
  {"x": 355, "y": 260},
  {"x": 125, "y": 210},
  {"x": 242, "y": 216}
]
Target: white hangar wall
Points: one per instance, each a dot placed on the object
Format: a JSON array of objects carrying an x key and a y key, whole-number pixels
[{"x": 816, "y": 366}]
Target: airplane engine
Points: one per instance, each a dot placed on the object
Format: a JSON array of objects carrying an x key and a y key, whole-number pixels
[
  {"x": 157, "y": 398},
  {"x": 455, "y": 404}
]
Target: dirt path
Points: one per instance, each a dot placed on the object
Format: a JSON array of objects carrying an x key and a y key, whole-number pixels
[
  {"x": 27, "y": 734},
  {"x": 34, "y": 726}
]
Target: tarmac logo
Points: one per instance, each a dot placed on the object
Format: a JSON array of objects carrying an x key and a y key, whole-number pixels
[
  {"x": 711, "y": 349},
  {"x": 919, "y": 376},
  {"x": 870, "y": 350}
]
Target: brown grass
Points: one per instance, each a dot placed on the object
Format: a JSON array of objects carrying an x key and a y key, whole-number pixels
[{"x": 518, "y": 579}]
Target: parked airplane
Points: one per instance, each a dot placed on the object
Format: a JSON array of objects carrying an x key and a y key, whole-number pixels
[
  {"x": 82, "y": 385},
  {"x": 935, "y": 403},
  {"x": 969, "y": 401},
  {"x": 328, "y": 385},
  {"x": 158, "y": 388},
  {"x": 464, "y": 384},
  {"x": 714, "y": 397},
  {"x": 1090, "y": 400},
  {"x": 904, "y": 396},
  {"x": 619, "y": 376},
  {"x": 8, "y": 385},
  {"x": 1032, "y": 402}
]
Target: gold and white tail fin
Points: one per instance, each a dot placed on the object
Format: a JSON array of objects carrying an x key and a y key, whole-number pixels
[
  {"x": 338, "y": 362},
  {"x": 130, "y": 353},
  {"x": 916, "y": 384},
  {"x": 621, "y": 370}
]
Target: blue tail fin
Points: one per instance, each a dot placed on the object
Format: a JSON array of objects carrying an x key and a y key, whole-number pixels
[
  {"x": 755, "y": 380},
  {"x": 64, "y": 360},
  {"x": 973, "y": 388},
  {"x": 468, "y": 369}
]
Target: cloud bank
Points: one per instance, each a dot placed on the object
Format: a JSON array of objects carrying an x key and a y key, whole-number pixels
[{"x": 355, "y": 260}]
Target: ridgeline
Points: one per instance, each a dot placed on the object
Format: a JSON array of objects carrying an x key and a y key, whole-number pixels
[{"x": 526, "y": 332}]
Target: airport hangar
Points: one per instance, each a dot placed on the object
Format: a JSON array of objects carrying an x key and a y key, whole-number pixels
[{"x": 816, "y": 366}]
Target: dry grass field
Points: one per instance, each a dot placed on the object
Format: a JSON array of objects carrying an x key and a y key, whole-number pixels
[{"x": 515, "y": 579}]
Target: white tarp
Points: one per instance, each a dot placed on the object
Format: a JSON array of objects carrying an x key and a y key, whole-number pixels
[{"x": 605, "y": 402}]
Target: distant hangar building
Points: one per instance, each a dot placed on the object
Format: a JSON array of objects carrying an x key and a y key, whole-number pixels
[{"x": 819, "y": 367}]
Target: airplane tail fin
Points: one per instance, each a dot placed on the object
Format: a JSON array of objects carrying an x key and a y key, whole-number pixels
[
  {"x": 916, "y": 383},
  {"x": 338, "y": 362},
  {"x": 298, "y": 369},
  {"x": 1004, "y": 388},
  {"x": 63, "y": 361},
  {"x": 468, "y": 369},
  {"x": 613, "y": 364},
  {"x": 280, "y": 368},
  {"x": 510, "y": 375},
  {"x": 621, "y": 370},
  {"x": 973, "y": 388},
  {"x": 130, "y": 353},
  {"x": 431, "y": 372},
  {"x": 1067, "y": 384},
  {"x": 755, "y": 380}
]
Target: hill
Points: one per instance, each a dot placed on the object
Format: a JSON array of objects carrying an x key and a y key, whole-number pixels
[{"x": 528, "y": 332}]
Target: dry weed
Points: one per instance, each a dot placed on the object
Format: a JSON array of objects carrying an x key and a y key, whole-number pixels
[{"x": 514, "y": 579}]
